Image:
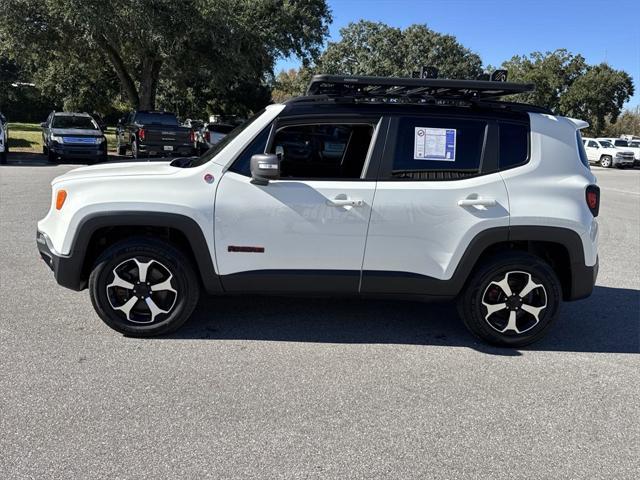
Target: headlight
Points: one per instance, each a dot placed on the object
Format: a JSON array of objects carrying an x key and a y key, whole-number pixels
[{"x": 57, "y": 138}]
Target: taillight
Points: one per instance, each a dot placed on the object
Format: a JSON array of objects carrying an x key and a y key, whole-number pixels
[
  {"x": 141, "y": 134},
  {"x": 192, "y": 136},
  {"x": 593, "y": 199}
]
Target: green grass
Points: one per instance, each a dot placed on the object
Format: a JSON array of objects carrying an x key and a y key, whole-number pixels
[{"x": 27, "y": 137}]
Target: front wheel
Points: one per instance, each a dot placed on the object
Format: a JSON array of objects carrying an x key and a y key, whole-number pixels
[
  {"x": 143, "y": 287},
  {"x": 511, "y": 301},
  {"x": 606, "y": 161}
]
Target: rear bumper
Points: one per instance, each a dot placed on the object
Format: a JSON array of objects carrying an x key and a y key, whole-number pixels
[
  {"x": 182, "y": 149},
  {"x": 66, "y": 269},
  {"x": 583, "y": 279}
]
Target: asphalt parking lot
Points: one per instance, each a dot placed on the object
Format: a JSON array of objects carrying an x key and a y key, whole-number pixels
[{"x": 281, "y": 388}]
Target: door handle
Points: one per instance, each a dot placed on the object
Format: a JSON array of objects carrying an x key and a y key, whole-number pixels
[
  {"x": 344, "y": 202},
  {"x": 477, "y": 202}
]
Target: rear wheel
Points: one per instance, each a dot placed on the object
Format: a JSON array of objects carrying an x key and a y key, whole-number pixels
[
  {"x": 606, "y": 161},
  {"x": 3, "y": 157},
  {"x": 511, "y": 301},
  {"x": 122, "y": 149},
  {"x": 142, "y": 287},
  {"x": 51, "y": 157}
]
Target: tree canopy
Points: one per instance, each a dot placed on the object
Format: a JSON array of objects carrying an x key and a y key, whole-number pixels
[{"x": 151, "y": 45}]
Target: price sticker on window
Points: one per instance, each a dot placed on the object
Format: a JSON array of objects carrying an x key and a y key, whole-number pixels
[{"x": 435, "y": 144}]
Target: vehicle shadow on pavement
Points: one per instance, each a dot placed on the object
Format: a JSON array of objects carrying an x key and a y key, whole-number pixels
[
  {"x": 607, "y": 322},
  {"x": 27, "y": 159}
]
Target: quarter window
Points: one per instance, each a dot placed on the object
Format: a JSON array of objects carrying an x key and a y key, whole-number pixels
[{"x": 514, "y": 145}]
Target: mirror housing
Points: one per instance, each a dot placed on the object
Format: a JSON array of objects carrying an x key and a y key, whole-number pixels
[
  {"x": 43, "y": 125},
  {"x": 264, "y": 167}
]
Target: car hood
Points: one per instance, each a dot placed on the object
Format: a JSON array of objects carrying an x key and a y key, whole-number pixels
[
  {"x": 117, "y": 170},
  {"x": 83, "y": 132}
]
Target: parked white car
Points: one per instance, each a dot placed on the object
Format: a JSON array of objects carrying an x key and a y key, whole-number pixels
[
  {"x": 606, "y": 154},
  {"x": 493, "y": 204}
]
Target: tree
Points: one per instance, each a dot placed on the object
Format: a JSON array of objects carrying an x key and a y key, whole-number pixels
[
  {"x": 552, "y": 73},
  {"x": 627, "y": 124},
  {"x": 290, "y": 83},
  {"x": 598, "y": 96},
  {"x": 145, "y": 42},
  {"x": 369, "y": 48}
]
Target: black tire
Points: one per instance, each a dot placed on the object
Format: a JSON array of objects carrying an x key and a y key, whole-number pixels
[
  {"x": 606, "y": 161},
  {"x": 45, "y": 151},
  {"x": 122, "y": 150},
  {"x": 134, "y": 150},
  {"x": 3, "y": 158},
  {"x": 51, "y": 157},
  {"x": 119, "y": 258},
  {"x": 481, "y": 287}
]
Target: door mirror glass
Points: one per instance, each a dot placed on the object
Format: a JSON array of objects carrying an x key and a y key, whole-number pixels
[{"x": 264, "y": 167}]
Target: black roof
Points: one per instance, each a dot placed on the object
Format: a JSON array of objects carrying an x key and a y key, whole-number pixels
[{"x": 427, "y": 91}]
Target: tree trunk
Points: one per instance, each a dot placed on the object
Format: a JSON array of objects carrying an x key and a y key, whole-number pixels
[
  {"x": 121, "y": 71},
  {"x": 149, "y": 82}
]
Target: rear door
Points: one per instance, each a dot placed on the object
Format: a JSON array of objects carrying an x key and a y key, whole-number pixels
[
  {"x": 305, "y": 232},
  {"x": 439, "y": 188}
]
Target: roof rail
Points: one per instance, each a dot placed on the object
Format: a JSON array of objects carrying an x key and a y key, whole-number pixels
[{"x": 411, "y": 90}]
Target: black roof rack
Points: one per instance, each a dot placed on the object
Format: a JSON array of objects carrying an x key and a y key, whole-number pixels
[{"x": 411, "y": 90}]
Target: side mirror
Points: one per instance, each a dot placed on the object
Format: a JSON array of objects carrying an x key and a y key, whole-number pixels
[
  {"x": 43, "y": 125},
  {"x": 264, "y": 167}
]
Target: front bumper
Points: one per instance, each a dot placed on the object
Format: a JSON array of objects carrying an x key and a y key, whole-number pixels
[
  {"x": 66, "y": 268},
  {"x": 623, "y": 162},
  {"x": 79, "y": 151}
]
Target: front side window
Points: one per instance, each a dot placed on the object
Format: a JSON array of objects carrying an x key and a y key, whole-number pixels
[
  {"x": 606, "y": 144},
  {"x": 592, "y": 144},
  {"x": 322, "y": 151},
  {"x": 432, "y": 148}
]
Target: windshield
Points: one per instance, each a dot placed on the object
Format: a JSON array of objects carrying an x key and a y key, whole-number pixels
[
  {"x": 606, "y": 144},
  {"x": 148, "y": 118},
  {"x": 217, "y": 148},
  {"x": 72, "y": 121}
]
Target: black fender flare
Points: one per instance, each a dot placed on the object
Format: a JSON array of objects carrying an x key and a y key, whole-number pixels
[{"x": 73, "y": 269}]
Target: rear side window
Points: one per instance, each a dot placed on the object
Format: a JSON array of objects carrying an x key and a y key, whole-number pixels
[
  {"x": 427, "y": 146},
  {"x": 581, "y": 151},
  {"x": 514, "y": 145}
]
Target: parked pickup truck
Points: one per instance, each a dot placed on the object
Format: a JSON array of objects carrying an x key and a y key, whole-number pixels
[{"x": 147, "y": 133}]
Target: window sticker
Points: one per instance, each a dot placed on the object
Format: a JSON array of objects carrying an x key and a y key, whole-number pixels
[{"x": 435, "y": 144}]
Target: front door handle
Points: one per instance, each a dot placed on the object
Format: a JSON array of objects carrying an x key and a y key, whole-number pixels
[
  {"x": 477, "y": 202},
  {"x": 344, "y": 202}
]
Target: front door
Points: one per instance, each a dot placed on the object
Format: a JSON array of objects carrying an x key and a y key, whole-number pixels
[
  {"x": 305, "y": 232},
  {"x": 592, "y": 148}
]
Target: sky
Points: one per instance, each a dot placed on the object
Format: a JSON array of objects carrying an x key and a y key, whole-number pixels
[{"x": 498, "y": 29}]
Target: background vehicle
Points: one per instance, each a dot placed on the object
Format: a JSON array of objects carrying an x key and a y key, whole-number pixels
[
  {"x": 211, "y": 134},
  {"x": 604, "y": 153},
  {"x": 147, "y": 133},
  {"x": 4, "y": 141},
  {"x": 73, "y": 135},
  {"x": 466, "y": 207},
  {"x": 628, "y": 145}
]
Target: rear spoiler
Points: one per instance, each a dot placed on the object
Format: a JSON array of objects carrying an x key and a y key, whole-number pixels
[{"x": 580, "y": 124}]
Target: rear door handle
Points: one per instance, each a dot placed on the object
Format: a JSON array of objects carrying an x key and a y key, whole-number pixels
[
  {"x": 344, "y": 202},
  {"x": 477, "y": 202}
]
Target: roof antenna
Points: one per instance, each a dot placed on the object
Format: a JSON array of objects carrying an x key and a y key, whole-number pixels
[
  {"x": 499, "y": 76},
  {"x": 428, "y": 72}
]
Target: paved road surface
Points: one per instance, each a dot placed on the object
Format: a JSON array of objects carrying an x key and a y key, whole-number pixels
[{"x": 279, "y": 388}]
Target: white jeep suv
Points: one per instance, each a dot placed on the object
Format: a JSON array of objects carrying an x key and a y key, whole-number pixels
[{"x": 383, "y": 187}]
